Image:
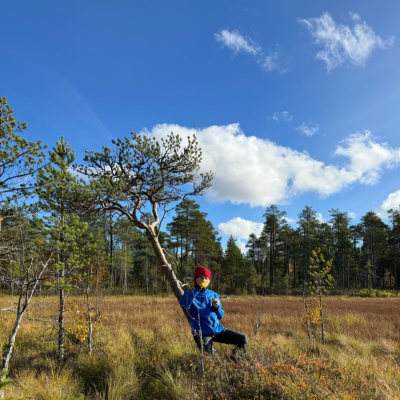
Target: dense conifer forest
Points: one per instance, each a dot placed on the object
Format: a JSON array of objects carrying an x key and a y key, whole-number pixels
[{"x": 47, "y": 213}]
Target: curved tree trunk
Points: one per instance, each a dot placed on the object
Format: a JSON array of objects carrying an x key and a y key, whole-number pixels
[{"x": 166, "y": 267}]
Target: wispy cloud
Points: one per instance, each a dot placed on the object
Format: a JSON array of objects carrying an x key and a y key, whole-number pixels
[
  {"x": 308, "y": 130},
  {"x": 256, "y": 171},
  {"x": 270, "y": 62},
  {"x": 280, "y": 116},
  {"x": 342, "y": 44},
  {"x": 238, "y": 43}
]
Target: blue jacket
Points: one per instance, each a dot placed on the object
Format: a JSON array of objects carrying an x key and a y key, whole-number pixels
[{"x": 199, "y": 304}]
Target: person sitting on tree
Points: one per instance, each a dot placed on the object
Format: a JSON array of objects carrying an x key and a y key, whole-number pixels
[{"x": 205, "y": 309}]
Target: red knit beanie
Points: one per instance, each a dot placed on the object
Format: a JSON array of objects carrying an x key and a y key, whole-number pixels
[{"x": 201, "y": 271}]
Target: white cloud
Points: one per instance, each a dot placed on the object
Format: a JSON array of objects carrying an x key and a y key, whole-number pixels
[
  {"x": 351, "y": 214},
  {"x": 391, "y": 202},
  {"x": 256, "y": 171},
  {"x": 290, "y": 220},
  {"x": 319, "y": 217},
  {"x": 343, "y": 44},
  {"x": 366, "y": 157},
  {"x": 77, "y": 174},
  {"x": 241, "y": 243},
  {"x": 270, "y": 62},
  {"x": 238, "y": 43},
  {"x": 308, "y": 130},
  {"x": 280, "y": 116},
  {"x": 240, "y": 228}
]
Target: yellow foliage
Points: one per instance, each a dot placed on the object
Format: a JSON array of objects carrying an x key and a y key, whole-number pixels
[
  {"x": 312, "y": 315},
  {"x": 79, "y": 329}
]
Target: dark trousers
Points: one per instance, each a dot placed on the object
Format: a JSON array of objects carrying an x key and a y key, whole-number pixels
[{"x": 226, "y": 336}]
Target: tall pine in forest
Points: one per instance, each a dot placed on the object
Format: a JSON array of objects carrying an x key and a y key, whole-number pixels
[
  {"x": 340, "y": 226},
  {"x": 59, "y": 193},
  {"x": 394, "y": 216},
  {"x": 274, "y": 220},
  {"x": 237, "y": 272},
  {"x": 181, "y": 230},
  {"x": 194, "y": 239},
  {"x": 375, "y": 234},
  {"x": 126, "y": 236},
  {"x": 308, "y": 224},
  {"x": 19, "y": 159},
  {"x": 290, "y": 249},
  {"x": 355, "y": 235}
]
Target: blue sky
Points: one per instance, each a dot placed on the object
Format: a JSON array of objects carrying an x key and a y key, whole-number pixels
[{"x": 293, "y": 103}]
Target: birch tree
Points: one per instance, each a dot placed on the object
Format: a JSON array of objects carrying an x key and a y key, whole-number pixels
[{"x": 28, "y": 258}]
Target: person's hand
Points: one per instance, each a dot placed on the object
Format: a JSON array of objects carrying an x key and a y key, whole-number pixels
[{"x": 215, "y": 303}]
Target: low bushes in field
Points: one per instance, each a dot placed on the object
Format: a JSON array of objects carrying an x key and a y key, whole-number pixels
[
  {"x": 375, "y": 293},
  {"x": 143, "y": 349}
]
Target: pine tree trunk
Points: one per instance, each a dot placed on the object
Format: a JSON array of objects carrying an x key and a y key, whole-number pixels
[
  {"x": 166, "y": 268},
  {"x": 90, "y": 326},
  {"x": 394, "y": 266},
  {"x": 61, "y": 325},
  {"x": 111, "y": 252},
  {"x": 322, "y": 318}
]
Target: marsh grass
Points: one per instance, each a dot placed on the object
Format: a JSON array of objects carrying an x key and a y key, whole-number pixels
[{"x": 144, "y": 350}]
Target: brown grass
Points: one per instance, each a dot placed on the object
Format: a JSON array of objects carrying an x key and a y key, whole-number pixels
[{"x": 144, "y": 350}]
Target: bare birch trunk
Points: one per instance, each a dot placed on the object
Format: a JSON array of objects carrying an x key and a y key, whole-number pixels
[
  {"x": 20, "y": 313},
  {"x": 11, "y": 341}
]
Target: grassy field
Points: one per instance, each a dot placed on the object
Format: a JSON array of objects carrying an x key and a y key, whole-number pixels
[{"x": 144, "y": 350}]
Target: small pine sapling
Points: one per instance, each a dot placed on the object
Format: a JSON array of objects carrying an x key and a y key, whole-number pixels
[{"x": 320, "y": 281}]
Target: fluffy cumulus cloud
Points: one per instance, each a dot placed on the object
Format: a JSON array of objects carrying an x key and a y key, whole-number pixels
[
  {"x": 343, "y": 44},
  {"x": 280, "y": 116},
  {"x": 240, "y": 228},
  {"x": 238, "y": 43},
  {"x": 308, "y": 130},
  {"x": 259, "y": 172},
  {"x": 241, "y": 243},
  {"x": 391, "y": 202}
]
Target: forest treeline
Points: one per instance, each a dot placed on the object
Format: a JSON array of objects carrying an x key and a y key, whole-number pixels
[{"x": 46, "y": 219}]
